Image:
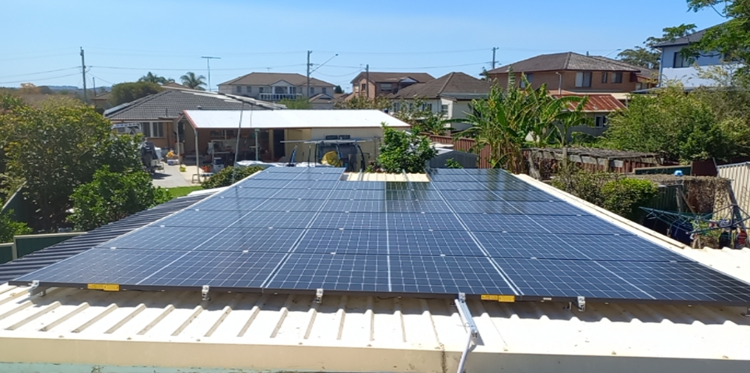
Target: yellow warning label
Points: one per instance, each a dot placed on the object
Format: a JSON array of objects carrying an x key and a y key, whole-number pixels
[
  {"x": 499, "y": 298},
  {"x": 105, "y": 287}
]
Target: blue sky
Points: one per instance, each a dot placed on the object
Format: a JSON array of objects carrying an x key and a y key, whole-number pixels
[{"x": 124, "y": 40}]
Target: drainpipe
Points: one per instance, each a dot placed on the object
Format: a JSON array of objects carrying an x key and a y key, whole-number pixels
[{"x": 559, "y": 83}]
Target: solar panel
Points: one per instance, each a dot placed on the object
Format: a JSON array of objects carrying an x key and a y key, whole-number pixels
[
  {"x": 473, "y": 231},
  {"x": 361, "y": 273}
]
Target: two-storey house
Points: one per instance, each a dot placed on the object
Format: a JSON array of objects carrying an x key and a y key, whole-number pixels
[
  {"x": 373, "y": 84},
  {"x": 675, "y": 66},
  {"x": 577, "y": 73},
  {"x": 449, "y": 95},
  {"x": 276, "y": 86}
]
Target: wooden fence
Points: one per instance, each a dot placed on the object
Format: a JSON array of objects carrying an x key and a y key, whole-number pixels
[{"x": 465, "y": 145}]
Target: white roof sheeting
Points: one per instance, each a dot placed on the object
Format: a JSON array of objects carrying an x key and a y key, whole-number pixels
[
  {"x": 230, "y": 119},
  {"x": 169, "y": 331}
]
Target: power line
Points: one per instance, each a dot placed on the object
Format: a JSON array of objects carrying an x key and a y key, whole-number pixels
[
  {"x": 38, "y": 79},
  {"x": 40, "y": 72}
]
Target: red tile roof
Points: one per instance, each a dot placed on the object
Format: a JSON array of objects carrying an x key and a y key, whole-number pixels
[{"x": 598, "y": 103}]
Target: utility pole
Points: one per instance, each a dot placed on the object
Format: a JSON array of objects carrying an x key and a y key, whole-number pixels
[
  {"x": 493, "y": 57},
  {"x": 94, "y": 80},
  {"x": 83, "y": 71},
  {"x": 308, "y": 73},
  {"x": 208, "y": 67},
  {"x": 367, "y": 80}
]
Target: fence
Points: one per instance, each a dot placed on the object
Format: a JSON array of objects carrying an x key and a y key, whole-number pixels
[
  {"x": 465, "y": 145},
  {"x": 27, "y": 244}
]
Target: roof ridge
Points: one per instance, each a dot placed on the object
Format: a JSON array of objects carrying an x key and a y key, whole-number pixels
[
  {"x": 141, "y": 100},
  {"x": 450, "y": 76},
  {"x": 567, "y": 60}
]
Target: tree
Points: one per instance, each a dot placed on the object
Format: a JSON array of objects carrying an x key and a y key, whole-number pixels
[
  {"x": 423, "y": 120},
  {"x": 127, "y": 92},
  {"x": 151, "y": 78},
  {"x": 338, "y": 89},
  {"x": 404, "y": 152},
  {"x": 56, "y": 148},
  {"x": 360, "y": 102},
  {"x": 111, "y": 196},
  {"x": 678, "y": 126},
  {"x": 29, "y": 88},
  {"x": 10, "y": 228},
  {"x": 730, "y": 38},
  {"x": 193, "y": 82},
  {"x": 224, "y": 177},
  {"x": 649, "y": 57},
  {"x": 300, "y": 103}
]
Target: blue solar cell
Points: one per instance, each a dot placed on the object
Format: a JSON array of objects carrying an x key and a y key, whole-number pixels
[
  {"x": 361, "y": 185},
  {"x": 354, "y": 220},
  {"x": 202, "y": 218},
  {"x": 422, "y": 222},
  {"x": 410, "y": 194},
  {"x": 342, "y": 205},
  {"x": 358, "y": 194},
  {"x": 309, "y": 205},
  {"x": 306, "y": 194},
  {"x": 433, "y": 243},
  {"x": 515, "y": 208},
  {"x": 166, "y": 238},
  {"x": 276, "y": 240},
  {"x": 277, "y": 219},
  {"x": 361, "y": 273},
  {"x": 446, "y": 275},
  {"x": 352, "y": 241}
]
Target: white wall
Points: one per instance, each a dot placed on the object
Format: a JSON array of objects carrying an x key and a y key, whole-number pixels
[{"x": 688, "y": 75}]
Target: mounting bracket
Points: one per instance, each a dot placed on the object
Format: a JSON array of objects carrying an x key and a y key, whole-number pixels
[
  {"x": 204, "y": 293},
  {"x": 36, "y": 289},
  {"x": 747, "y": 312},
  {"x": 319, "y": 295},
  {"x": 581, "y": 303},
  {"x": 473, "y": 336}
]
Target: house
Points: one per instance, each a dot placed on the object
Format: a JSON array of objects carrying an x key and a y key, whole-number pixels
[
  {"x": 676, "y": 67},
  {"x": 274, "y": 135},
  {"x": 157, "y": 116},
  {"x": 578, "y": 73},
  {"x": 598, "y": 107},
  {"x": 373, "y": 84},
  {"x": 276, "y": 86},
  {"x": 449, "y": 95}
]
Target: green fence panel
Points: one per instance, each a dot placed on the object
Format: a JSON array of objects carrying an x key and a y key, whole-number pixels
[
  {"x": 666, "y": 170},
  {"x": 28, "y": 244},
  {"x": 6, "y": 252}
]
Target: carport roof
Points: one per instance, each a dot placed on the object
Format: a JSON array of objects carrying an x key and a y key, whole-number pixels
[{"x": 265, "y": 119}]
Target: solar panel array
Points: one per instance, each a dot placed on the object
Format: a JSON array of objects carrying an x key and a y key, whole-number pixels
[{"x": 472, "y": 231}]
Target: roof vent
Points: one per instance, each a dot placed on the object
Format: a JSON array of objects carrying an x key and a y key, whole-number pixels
[{"x": 199, "y": 107}]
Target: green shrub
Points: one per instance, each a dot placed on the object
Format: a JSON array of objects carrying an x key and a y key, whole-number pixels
[
  {"x": 10, "y": 228},
  {"x": 224, "y": 177},
  {"x": 112, "y": 196},
  {"x": 624, "y": 196},
  {"x": 404, "y": 152},
  {"x": 452, "y": 163}
]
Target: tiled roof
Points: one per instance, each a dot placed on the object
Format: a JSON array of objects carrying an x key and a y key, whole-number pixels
[
  {"x": 685, "y": 40},
  {"x": 171, "y": 102},
  {"x": 602, "y": 103},
  {"x": 391, "y": 77},
  {"x": 455, "y": 83},
  {"x": 566, "y": 61},
  {"x": 271, "y": 78},
  {"x": 79, "y": 244}
]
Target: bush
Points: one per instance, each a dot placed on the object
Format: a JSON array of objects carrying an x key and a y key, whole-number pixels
[
  {"x": 613, "y": 192},
  {"x": 10, "y": 228},
  {"x": 452, "y": 163},
  {"x": 404, "y": 152},
  {"x": 223, "y": 178},
  {"x": 624, "y": 196},
  {"x": 112, "y": 196}
]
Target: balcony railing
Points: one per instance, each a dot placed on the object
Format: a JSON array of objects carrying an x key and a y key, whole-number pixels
[{"x": 279, "y": 96}]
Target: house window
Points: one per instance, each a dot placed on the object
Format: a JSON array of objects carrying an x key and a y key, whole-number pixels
[
  {"x": 260, "y": 89},
  {"x": 249, "y": 89},
  {"x": 680, "y": 61},
  {"x": 583, "y": 79},
  {"x": 152, "y": 129},
  {"x": 600, "y": 121},
  {"x": 323, "y": 90},
  {"x": 396, "y": 106},
  {"x": 616, "y": 78},
  {"x": 604, "y": 77},
  {"x": 427, "y": 107},
  {"x": 386, "y": 86},
  {"x": 292, "y": 90},
  {"x": 444, "y": 109},
  {"x": 312, "y": 91},
  {"x": 364, "y": 87},
  {"x": 356, "y": 89},
  {"x": 529, "y": 77},
  {"x": 279, "y": 90},
  {"x": 239, "y": 89}
]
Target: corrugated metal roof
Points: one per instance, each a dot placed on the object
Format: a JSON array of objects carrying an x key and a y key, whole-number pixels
[
  {"x": 168, "y": 331},
  {"x": 223, "y": 119},
  {"x": 73, "y": 246},
  {"x": 597, "y": 103}
]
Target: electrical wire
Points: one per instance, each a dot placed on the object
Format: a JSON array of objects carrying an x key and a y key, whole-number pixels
[
  {"x": 38, "y": 79},
  {"x": 40, "y": 72}
]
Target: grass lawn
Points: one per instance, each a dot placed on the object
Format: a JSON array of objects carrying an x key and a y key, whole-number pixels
[{"x": 183, "y": 191}]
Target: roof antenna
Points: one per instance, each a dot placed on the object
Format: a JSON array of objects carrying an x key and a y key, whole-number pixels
[{"x": 587, "y": 53}]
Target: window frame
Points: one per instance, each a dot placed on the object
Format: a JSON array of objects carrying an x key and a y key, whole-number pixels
[
  {"x": 605, "y": 75},
  {"x": 249, "y": 89},
  {"x": 239, "y": 89},
  {"x": 617, "y": 78},
  {"x": 583, "y": 75},
  {"x": 383, "y": 86},
  {"x": 683, "y": 62},
  {"x": 444, "y": 109},
  {"x": 148, "y": 129},
  {"x": 260, "y": 90},
  {"x": 601, "y": 121}
]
